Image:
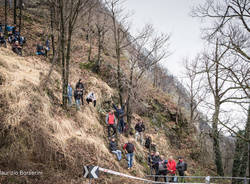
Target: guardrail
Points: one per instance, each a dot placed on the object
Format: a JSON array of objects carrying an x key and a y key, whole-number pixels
[{"x": 92, "y": 172}]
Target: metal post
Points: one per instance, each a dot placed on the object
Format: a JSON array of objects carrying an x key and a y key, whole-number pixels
[
  {"x": 207, "y": 180},
  {"x": 245, "y": 180}
]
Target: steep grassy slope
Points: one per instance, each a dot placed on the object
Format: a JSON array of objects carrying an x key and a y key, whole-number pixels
[{"x": 36, "y": 134}]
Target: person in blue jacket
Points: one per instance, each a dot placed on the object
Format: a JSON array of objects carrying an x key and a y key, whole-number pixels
[
  {"x": 70, "y": 94},
  {"x": 120, "y": 114}
]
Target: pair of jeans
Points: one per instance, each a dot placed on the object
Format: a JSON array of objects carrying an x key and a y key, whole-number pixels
[
  {"x": 70, "y": 100},
  {"x": 140, "y": 135},
  {"x": 111, "y": 127},
  {"x": 121, "y": 126},
  {"x": 118, "y": 154},
  {"x": 130, "y": 159},
  {"x": 78, "y": 104},
  {"x": 161, "y": 173}
]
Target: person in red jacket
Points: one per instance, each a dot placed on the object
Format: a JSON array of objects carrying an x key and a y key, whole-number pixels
[{"x": 171, "y": 166}]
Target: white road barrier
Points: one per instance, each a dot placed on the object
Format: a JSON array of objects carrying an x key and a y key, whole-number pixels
[{"x": 133, "y": 177}]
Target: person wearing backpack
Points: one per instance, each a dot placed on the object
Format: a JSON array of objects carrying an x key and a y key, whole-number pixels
[
  {"x": 161, "y": 169},
  {"x": 181, "y": 168},
  {"x": 113, "y": 149},
  {"x": 111, "y": 122},
  {"x": 171, "y": 167},
  {"x": 129, "y": 149}
]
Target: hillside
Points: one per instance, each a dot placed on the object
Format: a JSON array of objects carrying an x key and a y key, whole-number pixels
[{"x": 37, "y": 134}]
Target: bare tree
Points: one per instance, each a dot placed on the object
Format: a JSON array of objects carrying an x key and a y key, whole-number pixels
[
  {"x": 120, "y": 29},
  {"x": 194, "y": 87},
  {"x": 222, "y": 90},
  {"x": 146, "y": 52},
  {"x": 69, "y": 12},
  {"x": 102, "y": 28}
]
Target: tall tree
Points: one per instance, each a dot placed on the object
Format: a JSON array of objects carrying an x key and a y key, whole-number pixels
[
  {"x": 69, "y": 13},
  {"x": 120, "y": 29},
  {"x": 146, "y": 52},
  {"x": 14, "y": 9},
  {"x": 102, "y": 28},
  {"x": 20, "y": 14}
]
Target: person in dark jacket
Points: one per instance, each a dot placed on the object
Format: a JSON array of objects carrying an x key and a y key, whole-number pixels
[
  {"x": 130, "y": 149},
  {"x": 161, "y": 169},
  {"x": 181, "y": 168},
  {"x": 139, "y": 128},
  {"x": 150, "y": 161},
  {"x": 148, "y": 142},
  {"x": 80, "y": 85},
  {"x": 1, "y": 28},
  {"x": 77, "y": 96},
  {"x": 155, "y": 161},
  {"x": 2, "y": 40},
  {"x": 16, "y": 47},
  {"x": 113, "y": 149},
  {"x": 120, "y": 113},
  {"x": 40, "y": 50}
]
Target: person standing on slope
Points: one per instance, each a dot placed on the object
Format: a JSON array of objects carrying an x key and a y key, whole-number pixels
[
  {"x": 181, "y": 168},
  {"x": 171, "y": 166},
  {"x": 111, "y": 122},
  {"x": 70, "y": 94},
  {"x": 129, "y": 149},
  {"x": 113, "y": 149},
  {"x": 150, "y": 161},
  {"x": 80, "y": 85},
  {"x": 91, "y": 98},
  {"x": 120, "y": 113},
  {"x": 139, "y": 128},
  {"x": 77, "y": 95},
  {"x": 161, "y": 169}
]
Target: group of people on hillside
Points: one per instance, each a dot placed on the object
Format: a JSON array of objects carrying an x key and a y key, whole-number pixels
[
  {"x": 162, "y": 167},
  {"x": 78, "y": 95},
  {"x": 158, "y": 165},
  {"x": 129, "y": 149},
  {"x": 14, "y": 38}
]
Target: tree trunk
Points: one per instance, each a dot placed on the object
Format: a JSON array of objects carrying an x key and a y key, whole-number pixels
[
  {"x": 68, "y": 60},
  {"x": 98, "y": 61},
  {"x": 5, "y": 15},
  {"x": 248, "y": 138},
  {"x": 52, "y": 20},
  {"x": 14, "y": 8},
  {"x": 62, "y": 31},
  {"x": 216, "y": 141},
  {"x": 119, "y": 75},
  {"x": 129, "y": 106},
  {"x": 20, "y": 15}
]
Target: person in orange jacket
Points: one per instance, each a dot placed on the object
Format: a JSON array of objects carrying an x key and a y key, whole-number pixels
[{"x": 171, "y": 167}]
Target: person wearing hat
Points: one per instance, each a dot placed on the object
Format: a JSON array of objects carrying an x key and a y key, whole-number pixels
[{"x": 181, "y": 168}]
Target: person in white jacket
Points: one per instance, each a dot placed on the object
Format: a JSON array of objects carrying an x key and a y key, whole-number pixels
[{"x": 91, "y": 98}]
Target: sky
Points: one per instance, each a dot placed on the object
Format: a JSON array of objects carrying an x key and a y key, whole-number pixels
[{"x": 171, "y": 17}]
